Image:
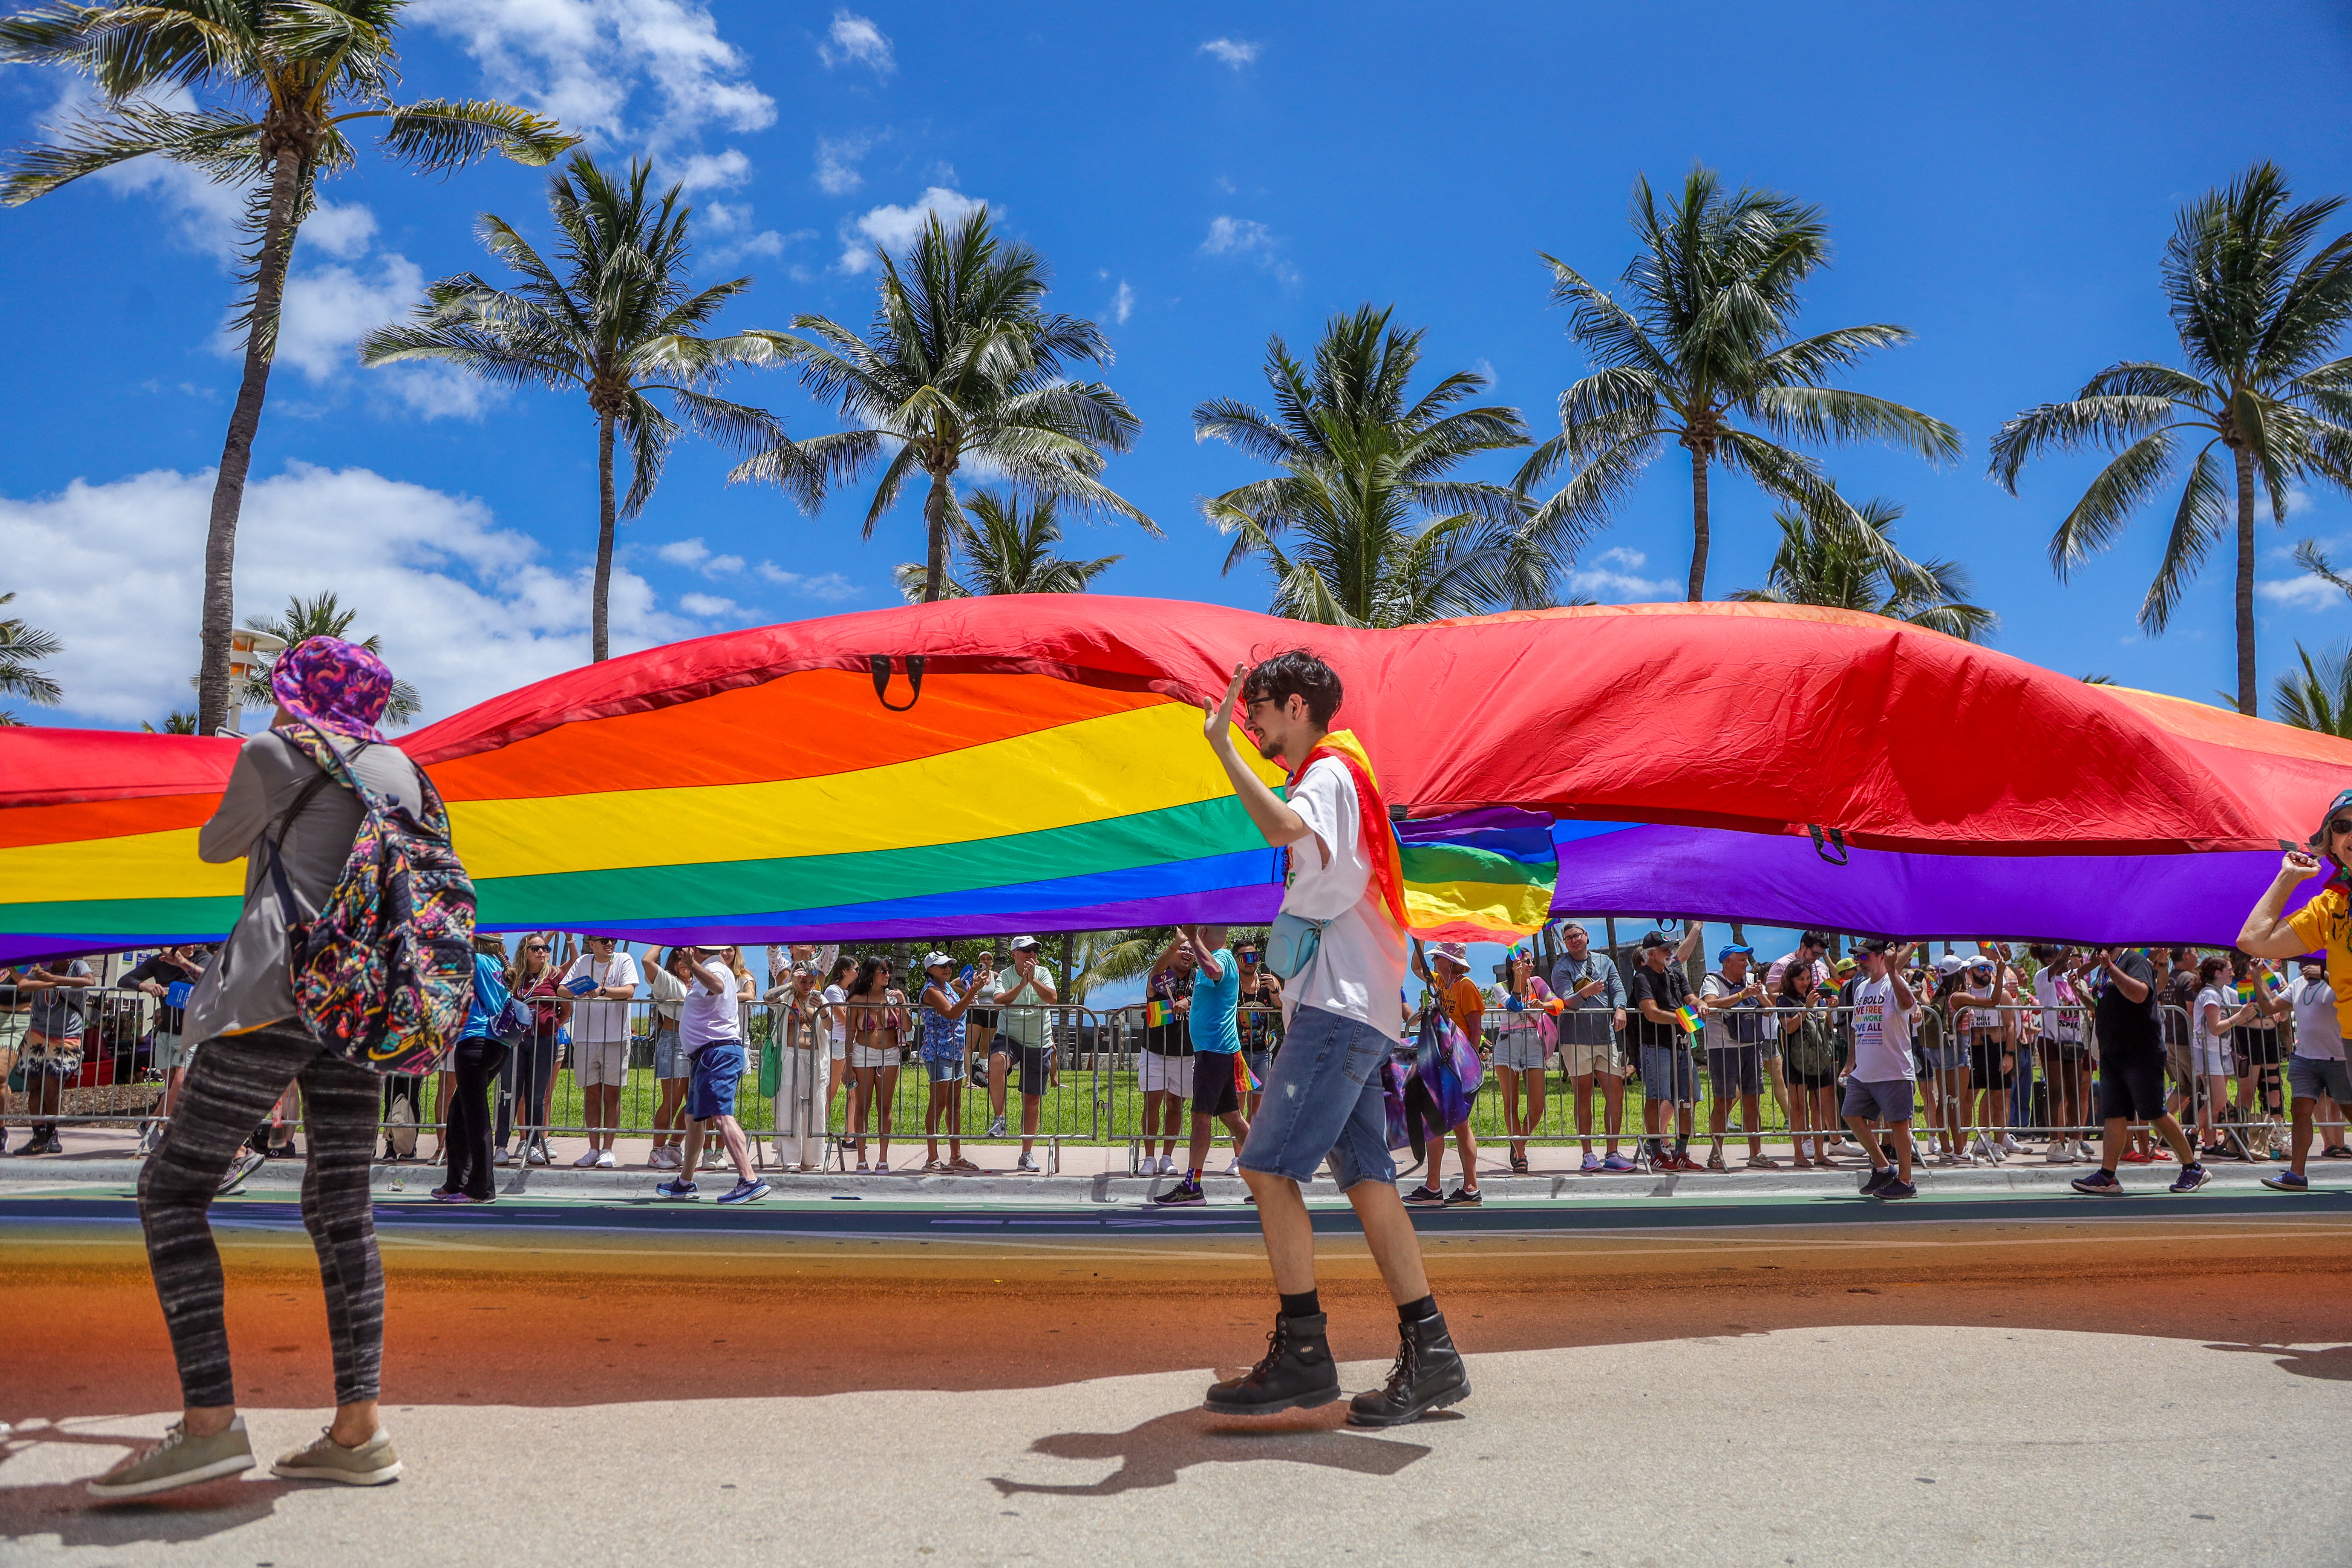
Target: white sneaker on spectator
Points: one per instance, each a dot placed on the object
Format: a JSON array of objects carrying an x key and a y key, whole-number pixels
[
  {"x": 1027, "y": 1165},
  {"x": 2010, "y": 1145},
  {"x": 501, "y": 1158},
  {"x": 2059, "y": 1154},
  {"x": 2084, "y": 1152},
  {"x": 996, "y": 1128},
  {"x": 605, "y": 1161},
  {"x": 586, "y": 1160},
  {"x": 663, "y": 1159},
  {"x": 1982, "y": 1149}
]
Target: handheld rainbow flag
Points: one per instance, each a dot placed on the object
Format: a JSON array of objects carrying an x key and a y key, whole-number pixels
[
  {"x": 1155, "y": 1014},
  {"x": 1688, "y": 1016},
  {"x": 1245, "y": 1080}
]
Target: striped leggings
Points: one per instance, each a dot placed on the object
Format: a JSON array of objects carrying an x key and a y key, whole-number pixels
[{"x": 231, "y": 1085}]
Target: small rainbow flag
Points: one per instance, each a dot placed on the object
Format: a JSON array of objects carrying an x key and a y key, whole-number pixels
[
  {"x": 1245, "y": 1080},
  {"x": 1155, "y": 1014},
  {"x": 1688, "y": 1016}
]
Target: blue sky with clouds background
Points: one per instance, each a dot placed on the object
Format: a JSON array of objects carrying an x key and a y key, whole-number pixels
[{"x": 1998, "y": 179}]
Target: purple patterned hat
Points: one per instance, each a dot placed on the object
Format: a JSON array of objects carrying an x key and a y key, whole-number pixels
[{"x": 336, "y": 685}]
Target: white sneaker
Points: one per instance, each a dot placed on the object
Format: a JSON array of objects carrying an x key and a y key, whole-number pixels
[
  {"x": 663, "y": 1159},
  {"x": 2082, "y": 1151},
  {"x": 1981, "y": 1149},
  {"x": 501, "y": 1158},
  {"x": 605, "y": 1161},
  {"x": 2010, "y": 1145},
  {"x": 1234, "y": 1167},
  {"x": 586, "y": 1160},
  {"x": 535, "y": 1155},
  {"x": 2058, "y": 1155},
  {"x": 996, "y": 1128},
  {"x": 1027, "y": 1165}
]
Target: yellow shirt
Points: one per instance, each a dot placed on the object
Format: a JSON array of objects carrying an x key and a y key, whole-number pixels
[{"x": 2325, "y": 927}]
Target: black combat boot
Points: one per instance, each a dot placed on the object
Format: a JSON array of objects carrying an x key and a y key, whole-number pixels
[
  {"x": 1429, "y": 1374},
  {"x": 1297, "y": 1373}
]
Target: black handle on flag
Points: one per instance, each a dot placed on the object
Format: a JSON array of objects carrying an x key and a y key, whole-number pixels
[
  {"x": 880, "y": 665},
  {"x": 1836, "y": 842}
]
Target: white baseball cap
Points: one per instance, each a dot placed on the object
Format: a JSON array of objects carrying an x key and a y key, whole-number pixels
[
  {"x": 936, "y": 959},
  {"x": 1024, "y": 943}
]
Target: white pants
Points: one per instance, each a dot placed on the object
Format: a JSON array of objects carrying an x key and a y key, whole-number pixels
[{"x": 800, "y": 1107}]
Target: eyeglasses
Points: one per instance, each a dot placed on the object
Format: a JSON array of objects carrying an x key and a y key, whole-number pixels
[{"x": 2341, "y": 825}]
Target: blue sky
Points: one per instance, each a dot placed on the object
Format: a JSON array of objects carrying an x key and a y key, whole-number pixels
[{"x": 1998, "y": 179}]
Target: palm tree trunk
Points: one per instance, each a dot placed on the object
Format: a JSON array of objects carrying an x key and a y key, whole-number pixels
[
  {"x": 2246, "y": 699},
  {"x": 219, "y": 615},
  {"x": 600, "y": 641},
  {"x": 1698, "y": 526},
  {"x": 938, "y": 506}
]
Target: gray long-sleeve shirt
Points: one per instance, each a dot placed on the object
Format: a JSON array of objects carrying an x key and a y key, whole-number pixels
[{"x": 247, "y": 986}]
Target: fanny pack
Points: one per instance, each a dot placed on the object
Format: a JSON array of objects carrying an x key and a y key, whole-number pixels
[{"x": 1291, "y": 943}]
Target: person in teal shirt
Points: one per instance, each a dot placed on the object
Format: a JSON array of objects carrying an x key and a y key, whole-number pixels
[{"x": 1216, "y": 1048}]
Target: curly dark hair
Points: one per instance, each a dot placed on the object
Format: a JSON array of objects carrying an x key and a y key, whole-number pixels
[{"x": 1296, "y": 672}]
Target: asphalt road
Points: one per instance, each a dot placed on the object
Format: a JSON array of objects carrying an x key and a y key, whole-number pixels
[{"x": 2056, "y": 1385}]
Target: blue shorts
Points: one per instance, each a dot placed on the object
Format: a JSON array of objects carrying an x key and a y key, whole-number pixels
[
  {"x": 1323, "y": 1098},
  {"x": 1889, "y": 1101},
  {"x": 1669, "y": 1074},
  {"x": 718, "y": 1069}
]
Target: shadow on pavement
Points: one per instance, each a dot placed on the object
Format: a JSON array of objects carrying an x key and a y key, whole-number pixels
[
  {"x": 2334, "y": 1364},
  {"x": 67, "y": 1510},
  {"x": 1152, "y": 1454}
]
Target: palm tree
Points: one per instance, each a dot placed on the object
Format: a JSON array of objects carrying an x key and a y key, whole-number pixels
[
  {"x": 2255, "y": 327},
  {"x": 1822, "y": 561},
  {"x": 22, "y": 649},
  {"x": 2320, "y": 698},
  {"x": 1007, "y": 552},
  {"x": 179, "y": 721},
  {"x": 294, "y": 74},
  {"x": 961, "y": 364},
  {"x": 320, "y": 617},
  {"x": 1702, "y": 354},
  {"x": 1365, "y": 525},
  {"x": 617, "y": 326}
]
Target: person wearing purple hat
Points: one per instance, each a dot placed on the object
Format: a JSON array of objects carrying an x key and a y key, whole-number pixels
[{"x": 253, "y": 1046}]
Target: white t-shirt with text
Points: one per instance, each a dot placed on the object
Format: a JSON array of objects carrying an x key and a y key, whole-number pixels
[
  {"x": 1359, "y": 961},
  {"x": 595, "y": 1021},
  {"x": 1881, "y": 1034}
]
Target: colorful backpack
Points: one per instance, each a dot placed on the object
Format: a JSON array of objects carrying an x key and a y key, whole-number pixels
[{"x": 385, "y": 974}]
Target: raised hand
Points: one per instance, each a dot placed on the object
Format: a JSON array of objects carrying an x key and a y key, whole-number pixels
[{"x": 1219, "y": 725}]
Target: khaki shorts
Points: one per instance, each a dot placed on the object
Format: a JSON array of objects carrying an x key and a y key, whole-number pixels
[
  {"x": 1593, "y": 1060},
  {"x": 172, "y": 1051},
  {"x": 597, "y": 1062}
]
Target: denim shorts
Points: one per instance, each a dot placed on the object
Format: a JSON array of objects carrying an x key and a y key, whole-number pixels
[
  {"x": 1889, "y": 1101},
  {"x": 944, "y": 1069},
  {"x": 1521, "y": 1050},
  {"x": 669, "y": 1061},
  {"x": 1667, "y": 1074},
  {"x": 718, "y": 1069},
  {"x": 1323, "y": 1098}
]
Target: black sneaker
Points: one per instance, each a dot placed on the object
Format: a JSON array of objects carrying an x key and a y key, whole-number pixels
[
  {"x": 1880, "y": 1175},
  {"x": 1465, "y": 1198},
  {"x": 1297, "y": 1373},
  {"x": 1182, "y": 1193},
  {"x": 52, "y": 1145},
  {"x": 1429, "y": 1374},
  {"x": 1425, "y": 1193},
  {"x": 1898, "y": 1189}
]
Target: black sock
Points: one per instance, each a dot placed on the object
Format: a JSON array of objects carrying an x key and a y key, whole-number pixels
[
  {"x": 1306, "y": 1304},
  {"x": 1417, "y": 1312}
]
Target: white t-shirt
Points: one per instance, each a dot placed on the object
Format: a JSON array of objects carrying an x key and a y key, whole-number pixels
[
  {"x": 836, "y": 997},
  {"x": 1881, "y": 1034},
  {"x": 708, "y": 1015},
  {"x": 2061, "y": 1016},
  {"x": 2219, "y": 996},
  {"x": 1360, "y": 957},
  {"x": 594, "y": 1021},
  {"x": 2318, "y": 1036},
  {"x": 1718, "y": 1033}
]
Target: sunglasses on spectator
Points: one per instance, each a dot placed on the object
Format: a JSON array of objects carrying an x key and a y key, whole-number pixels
[
  {"x": 534, "y": 947},
  {"x": 2341, "y": 825}
]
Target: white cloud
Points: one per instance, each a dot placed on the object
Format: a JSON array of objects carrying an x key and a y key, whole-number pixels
[
  {"x": 831, "y": 586},
  {"x": 856, "y": 40},
  {"x": 709, "y": 606},
  {"x": 1234, "y": 52},
  {"x": 328, "y": 308},
  {"x": 837, "y": 163},
  {"x": 586, "y": 61},
  {"x": 1122, "y": 305},
  {"x": 2304, "y": 593},
  {"x": 695, "y": 555},
  {"x": 342, "y": 230},
  {"x": 713, "y": 170},
  {"x": 1249, "y": 238},
  {"x": 894, "y": 228},
  {"x": 1614, "y": 578},
  {"x": 467, "y": 609}
]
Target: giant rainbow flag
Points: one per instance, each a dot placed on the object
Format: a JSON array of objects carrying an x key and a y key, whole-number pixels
[{"x": 1002, "y": 764}]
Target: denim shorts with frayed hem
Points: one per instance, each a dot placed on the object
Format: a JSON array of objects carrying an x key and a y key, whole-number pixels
[
  {"x": 718, "y": 1069},
  {"x": 1323, "y": 1098},
  {"x": 1669, "y": 1074}
]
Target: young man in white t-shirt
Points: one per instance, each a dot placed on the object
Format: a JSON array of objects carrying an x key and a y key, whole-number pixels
[
  {"x": 1323, "y": 1100},
  {"x": 2315, "y": 1073},
  {"x": 604, "y": 981},
  {"x": 711, "y": 1031},
  {"x": 1882, "y": 1083}
]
